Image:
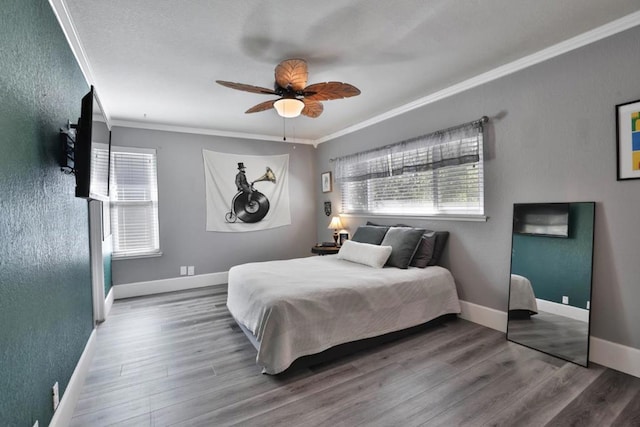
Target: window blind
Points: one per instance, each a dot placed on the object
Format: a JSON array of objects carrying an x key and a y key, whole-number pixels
[
  {"x": 134, "y": 202},
  {"x": 436, "y": 174},
  {"x": 99, "y": 165}
]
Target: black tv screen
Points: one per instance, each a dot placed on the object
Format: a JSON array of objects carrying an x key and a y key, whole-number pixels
[
  {"x": 541, "y": 219},
  {"x": 92, "y": 151}
]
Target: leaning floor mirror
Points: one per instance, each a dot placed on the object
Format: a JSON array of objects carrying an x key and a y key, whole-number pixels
[{"x": 550, "y": 283}]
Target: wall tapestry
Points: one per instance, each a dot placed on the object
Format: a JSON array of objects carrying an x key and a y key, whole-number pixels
[{"x": 246, "y": 193}]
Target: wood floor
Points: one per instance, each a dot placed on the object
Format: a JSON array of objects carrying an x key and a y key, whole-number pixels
[
  {"x": 558, "y": 335},
  {"x": 179, "y": 359}
]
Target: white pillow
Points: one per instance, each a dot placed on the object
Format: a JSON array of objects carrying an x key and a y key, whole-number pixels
[{"x": 364, "y": 253}]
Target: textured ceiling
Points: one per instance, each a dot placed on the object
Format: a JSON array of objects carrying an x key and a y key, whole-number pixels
[{"x": 154, "y": 62}]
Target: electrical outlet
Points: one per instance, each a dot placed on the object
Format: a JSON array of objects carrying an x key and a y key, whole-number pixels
[
  {"x": 56, "y": 396},
  {"x": 588, "y": 305},
  {"x": 183, "y": 270},
  {"x": 565, "y": 300},
  {"x": 191, "y": 270}
]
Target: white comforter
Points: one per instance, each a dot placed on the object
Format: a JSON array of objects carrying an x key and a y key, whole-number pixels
[
  {"x": 521, "y": 296},
  {"x": 306, "y": 305}
]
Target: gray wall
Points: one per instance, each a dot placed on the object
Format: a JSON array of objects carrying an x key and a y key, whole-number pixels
[
  {"x": 45, "y": 279},
  {"x": 551, "y": 138},
  {"x": 181, "y": 195}
]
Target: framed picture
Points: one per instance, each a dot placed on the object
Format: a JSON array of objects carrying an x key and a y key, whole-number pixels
[
  {"x": 326, "y": 182},
  {"x": 327, "y": 208},
  {"x": 343, "y": 237},
  {"x": 628, "y": 140}
]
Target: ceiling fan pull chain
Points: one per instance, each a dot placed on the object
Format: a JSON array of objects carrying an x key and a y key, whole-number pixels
[{"x": 284, "y": 129}]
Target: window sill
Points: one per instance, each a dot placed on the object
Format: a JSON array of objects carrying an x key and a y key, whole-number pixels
[
  {"x": 136, "y": 256},
  {"x": 441, "y": 217}
]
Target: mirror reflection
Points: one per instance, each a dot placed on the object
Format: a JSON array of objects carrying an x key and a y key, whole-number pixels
[{"x": 550, "y": 282}]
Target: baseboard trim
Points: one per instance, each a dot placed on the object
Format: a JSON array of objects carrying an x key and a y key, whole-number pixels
[
  {"x": 64, "y": 413},
  {"x": 151, "y": 287},
  {"x": 485, "y": 316},
  {"x": 606, "y": 353},
  {"x": 565, "y": 310},
  {"x": 108, "y": 302},
  {"x": 615, "y": 356}
]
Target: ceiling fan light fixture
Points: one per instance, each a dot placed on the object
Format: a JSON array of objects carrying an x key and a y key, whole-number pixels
[
  {"x": 288, "y": 107},
  {"x": 296, "y": 97}
]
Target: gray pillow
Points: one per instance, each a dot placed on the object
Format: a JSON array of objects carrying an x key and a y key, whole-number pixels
[
  {"x": 404, "y": 242},
  {"x": 424, "y": 252},
  {"x": 438, "y": 248},
  {"x": 441, "y": 238},
  {"x": 370, "y": 234}
]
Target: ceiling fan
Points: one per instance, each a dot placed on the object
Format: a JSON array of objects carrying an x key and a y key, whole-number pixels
[{"x": 295, "y": 96}]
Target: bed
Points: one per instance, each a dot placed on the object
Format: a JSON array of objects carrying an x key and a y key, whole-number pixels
[
  {"x": 522, "y": 300},
  {"x": 303, "y": 306}
]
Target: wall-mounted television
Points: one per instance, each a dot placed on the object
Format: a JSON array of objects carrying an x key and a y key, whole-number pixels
[
  {"x": 541, "y": 219},
  {"x": 92, "y": 151}
]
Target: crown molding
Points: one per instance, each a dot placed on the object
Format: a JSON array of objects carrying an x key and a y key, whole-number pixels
[
  {"x": 66, "y": 23},
  {"x": 614, "y": 27},
  {"x": 205, "y": 131},
  {"x": 592, "y": 36},
  {"x": 64, "y": 18}
]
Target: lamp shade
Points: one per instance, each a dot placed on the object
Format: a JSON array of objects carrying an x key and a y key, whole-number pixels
[
  {"x": 335, "y": 224},
  {"x": 288, "y": 107}
]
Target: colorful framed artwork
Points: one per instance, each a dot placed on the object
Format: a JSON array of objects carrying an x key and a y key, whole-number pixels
[
  {"x": 628, "y": 140},
  {"x": 326, "y": 182}
]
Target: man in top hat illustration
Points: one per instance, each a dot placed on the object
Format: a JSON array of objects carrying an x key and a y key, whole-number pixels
[{"x": 241, "y": 181}]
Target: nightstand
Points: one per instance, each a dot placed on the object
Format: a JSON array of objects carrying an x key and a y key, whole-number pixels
[{"x": 325, "y": 250}]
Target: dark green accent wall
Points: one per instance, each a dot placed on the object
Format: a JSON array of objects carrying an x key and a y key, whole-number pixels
[
  {"x": 559, "y": 266},
  {"x": 107, "y": 251},
  {"x": 45, "y": 282}
]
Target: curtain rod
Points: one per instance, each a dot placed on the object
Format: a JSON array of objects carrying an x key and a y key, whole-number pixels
[{"x": 480, "y": 121}]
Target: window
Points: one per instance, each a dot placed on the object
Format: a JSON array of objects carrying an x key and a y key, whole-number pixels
[
  {"x": 436, "y": 174},
  {"x": 99, "y": 182},
  {"x": 134, "y": 202},
  {"x": 99, "y": 170}
]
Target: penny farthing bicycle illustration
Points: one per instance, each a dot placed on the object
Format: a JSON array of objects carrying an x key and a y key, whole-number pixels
[{"x": 249, "y": 205}]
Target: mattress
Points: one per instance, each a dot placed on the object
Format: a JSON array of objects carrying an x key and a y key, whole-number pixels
[
  {"x": 304, "y": 306},
  {"x": 521, "y": 296}
]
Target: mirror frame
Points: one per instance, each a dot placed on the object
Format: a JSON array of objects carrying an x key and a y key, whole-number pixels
[{"x": 572, "y": 234}]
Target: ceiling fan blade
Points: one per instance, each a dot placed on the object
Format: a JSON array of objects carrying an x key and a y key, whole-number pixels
[
  {"x": 312, "y": 108},
  {"x": 330, "y": 90},
  {"x": 246, "y": 88},
  {"x": 292, "y": 73},
  {"x": 261, "y": 107}
]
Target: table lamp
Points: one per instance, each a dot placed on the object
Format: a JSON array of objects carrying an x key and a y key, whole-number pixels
[{"x": 335, "y": 225}]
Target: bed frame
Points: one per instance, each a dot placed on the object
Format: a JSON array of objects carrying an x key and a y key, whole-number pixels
[{"x": 342, "y": 350}]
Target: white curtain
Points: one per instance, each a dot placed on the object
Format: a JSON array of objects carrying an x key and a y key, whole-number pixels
[{"x": 267, "y": 207}]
